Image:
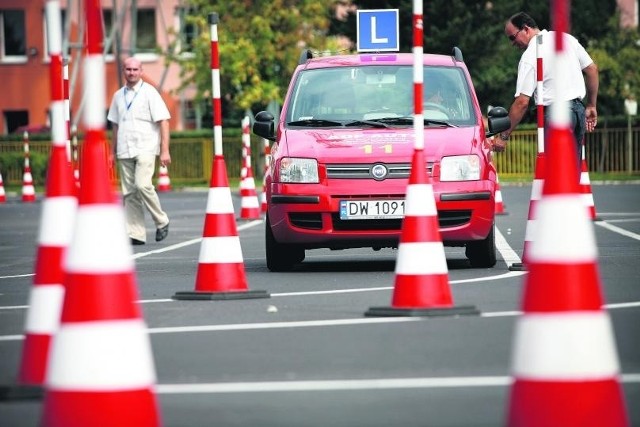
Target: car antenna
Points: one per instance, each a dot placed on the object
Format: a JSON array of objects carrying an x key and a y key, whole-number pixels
[
  {"x": 457, "y": 54},
  {"x": 304, "y": 56}
]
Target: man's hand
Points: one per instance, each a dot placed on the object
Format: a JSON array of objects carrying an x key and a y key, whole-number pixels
[
  {"x": 592, "y": 118},
  {"x": 500, "y": 142}
]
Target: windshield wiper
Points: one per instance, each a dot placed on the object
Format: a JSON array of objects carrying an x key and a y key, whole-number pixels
[
  {"x": 314, "y": 122},
  {"x": 378, "y": 123},
  {"x": 407, "y": 120}
]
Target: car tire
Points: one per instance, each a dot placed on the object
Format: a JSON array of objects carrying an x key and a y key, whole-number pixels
[
  {"x": 482, "y": 254},
  {"x": 280, "y": 257}
]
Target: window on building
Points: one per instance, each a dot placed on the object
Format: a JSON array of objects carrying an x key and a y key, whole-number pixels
[
  {"x": 12, "y": 36},
  {"x": 108, "y": 19},
  {"x": 14, "y": 119},
  {"x": 188, "y": 31},
  {"x": 146, "y": 31}
]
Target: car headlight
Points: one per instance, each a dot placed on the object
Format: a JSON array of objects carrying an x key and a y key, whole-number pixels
[
  {"x": 299, "y": 170},
  {"x": 460, "y": 168}
]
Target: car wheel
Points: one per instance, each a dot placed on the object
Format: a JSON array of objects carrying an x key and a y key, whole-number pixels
[
  {"x": 280, "y": 257},
  {"x": 482, "y": 254}
]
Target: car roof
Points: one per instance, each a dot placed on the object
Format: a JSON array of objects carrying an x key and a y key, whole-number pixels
[{"x": 377, "y": 59}]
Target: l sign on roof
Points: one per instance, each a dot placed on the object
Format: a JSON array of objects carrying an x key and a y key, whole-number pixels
[{"x": 378, "y": 30}]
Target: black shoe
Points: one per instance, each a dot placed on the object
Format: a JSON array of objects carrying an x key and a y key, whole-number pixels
[
  {"x": 136, "y": 242},
  {"x": 161, "y": 233}
]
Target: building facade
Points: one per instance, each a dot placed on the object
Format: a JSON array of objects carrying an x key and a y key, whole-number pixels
[{"x": 143, "y": 28}]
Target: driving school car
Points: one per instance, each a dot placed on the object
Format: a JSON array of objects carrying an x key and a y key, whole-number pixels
[{"x": 342, "y": 148}]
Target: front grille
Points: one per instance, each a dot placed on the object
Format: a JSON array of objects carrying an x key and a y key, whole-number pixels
[
  {"x": 363, "y": 170},
  {"x": 445, "y": 219}
]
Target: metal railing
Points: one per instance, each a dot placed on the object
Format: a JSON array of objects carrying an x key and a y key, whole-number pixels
[{"x": 607, "y": 151}]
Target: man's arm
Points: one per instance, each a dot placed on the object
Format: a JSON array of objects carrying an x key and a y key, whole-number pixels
[
  {"x": 165, "y": 157},
  {"x": 592, "y": 84},
  {"x": 516, "y": 113}
]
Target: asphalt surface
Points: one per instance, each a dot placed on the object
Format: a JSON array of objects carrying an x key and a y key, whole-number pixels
[{"x": 308, "y": 356}]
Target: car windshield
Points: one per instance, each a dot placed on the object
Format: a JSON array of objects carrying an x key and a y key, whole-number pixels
[{"x": 367, "y": 95}]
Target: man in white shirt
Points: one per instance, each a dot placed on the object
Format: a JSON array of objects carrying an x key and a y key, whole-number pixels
[
  {"x": 582, "y": 78},
  {"x": 140, "y": 122}
]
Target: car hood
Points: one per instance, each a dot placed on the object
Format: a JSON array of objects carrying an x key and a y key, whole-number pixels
[{"x": 385, "y": 145}]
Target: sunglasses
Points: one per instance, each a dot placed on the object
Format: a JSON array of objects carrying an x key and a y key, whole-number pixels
[{"x": 513, "y": 36}]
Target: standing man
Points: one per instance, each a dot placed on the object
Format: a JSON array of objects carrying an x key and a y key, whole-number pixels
[
  {"x": 522, "y": 30},
  {"x": 140, "y": 121}
]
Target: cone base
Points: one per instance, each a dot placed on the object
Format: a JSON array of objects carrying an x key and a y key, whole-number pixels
[
  {"x": 21, "y": 392},
  {"x": 462, "y": 310},
  {"x": 517, "y": 266},
  {"x": 216, "y": 296}
]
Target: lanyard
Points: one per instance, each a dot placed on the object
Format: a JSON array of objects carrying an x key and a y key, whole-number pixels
[{"x": 124, "y": 90}]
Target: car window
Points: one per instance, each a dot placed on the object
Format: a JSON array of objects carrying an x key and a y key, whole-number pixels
[{"x": 345, "y": 94}]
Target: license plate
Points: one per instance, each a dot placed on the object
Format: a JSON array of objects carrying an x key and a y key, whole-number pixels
[{"x": 371, "y": 209}]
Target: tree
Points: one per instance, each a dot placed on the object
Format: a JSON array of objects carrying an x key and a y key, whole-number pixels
[{"x": 259, "y": 45}]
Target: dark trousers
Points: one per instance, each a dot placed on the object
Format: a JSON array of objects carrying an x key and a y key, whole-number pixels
[{"x": 578, "y": 127}]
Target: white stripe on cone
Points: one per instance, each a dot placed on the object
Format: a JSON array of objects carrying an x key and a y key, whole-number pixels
[
  {"x": 219, "y": 201},
  {"x": 53, "y": 230},
  {"x": 552, "y": 244},
  {"x": 101, "y": 355},
  {"x": 421, "y": 258},
  {"x": 45, "y": 307},
  {"x": 420, "y": 200},
  {"x": 223, "y": 250},
  {"x": 565, "y": 346},
  {"x": 101, "y": 249}
]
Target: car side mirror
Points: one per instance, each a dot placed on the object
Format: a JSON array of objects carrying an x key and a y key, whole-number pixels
[
  {"x": 499, "y": 121},
  {"x": 264, "y": 125}
]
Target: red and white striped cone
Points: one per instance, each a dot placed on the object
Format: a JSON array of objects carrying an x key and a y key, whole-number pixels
[
  {"x": 422, "y": 278},
  {"x": 3, "y": 196},
  {"x": 585, "y": 186},
  {"x": 221, "y": 273},
  {"x": 164, "y": 182},
  {"x": 101, "y": 369},
  {"x": 564, "y": 359},
  {"x": 532, "y": 223},
  {"x": 28, "y": 190},
  {"x": 56, "y": 226},
  {"x": 500, "y": 207},
  {"x": 249, "y": 203},
  {"x": 565, "y": 363}
]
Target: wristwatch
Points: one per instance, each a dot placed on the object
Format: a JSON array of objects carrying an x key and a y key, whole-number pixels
[{"x": 504, "y": 136}]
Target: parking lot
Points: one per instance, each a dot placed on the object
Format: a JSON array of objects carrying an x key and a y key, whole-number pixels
[{"x": 307, "y": 355}]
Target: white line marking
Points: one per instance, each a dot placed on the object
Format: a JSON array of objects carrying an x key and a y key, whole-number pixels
[
  {"x": 348, "y": 385},
  {"x": 618, "y": 230},
  {"x": 507, "y": 253}
]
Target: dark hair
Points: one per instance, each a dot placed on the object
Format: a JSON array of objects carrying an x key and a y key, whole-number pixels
[{"x": 521, "y": 19}]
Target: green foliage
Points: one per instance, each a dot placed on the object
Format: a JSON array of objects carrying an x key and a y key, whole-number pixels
[{"x": 261, "y": 40}]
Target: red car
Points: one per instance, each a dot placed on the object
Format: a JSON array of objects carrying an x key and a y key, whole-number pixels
[{"x": 342, "y": 148}]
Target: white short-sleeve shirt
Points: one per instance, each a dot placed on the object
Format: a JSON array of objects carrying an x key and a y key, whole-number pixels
[
  {"x": 137, "y": 112},
  {"x": 572, "y": 86}
]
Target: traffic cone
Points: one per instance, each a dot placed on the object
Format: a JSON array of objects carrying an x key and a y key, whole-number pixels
[
  {"x": 164, "y": 183},
  {"x": 564, "y": 362},
  {"x": 249, "y": 204},
  {"x": 28, "y": 191},
  {"x": 585, "y": 186},
  {"x": 101, "y": 366},
  {"x": 531, "y": 227},
  {"x": 422, "y": 278},
  {"x": 500, "y": 207},
  {"x": 56, "y": 231},
  {"x": 3, "y": 197},
  {"x": 221, "y": 273}
]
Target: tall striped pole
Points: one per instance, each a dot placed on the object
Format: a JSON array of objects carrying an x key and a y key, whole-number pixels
[
  {"x": 67, "y": 105},
  {"x": 565, "y": 364},
  {"x": 538, "y": 178},
  {"x": 421, "y": 285},
  {"x": 56, "y": 225},
  {"x": 221, "y": 274},
  {"x": 101, "y": 361},
  {"x": 28, "y": 190}
]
